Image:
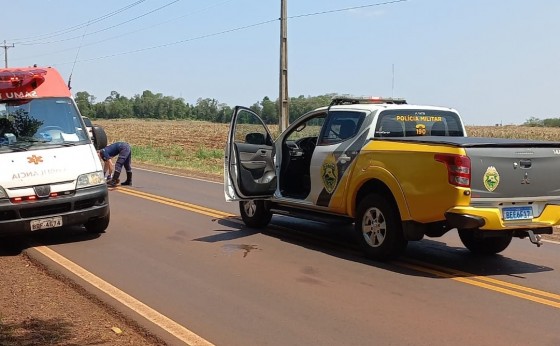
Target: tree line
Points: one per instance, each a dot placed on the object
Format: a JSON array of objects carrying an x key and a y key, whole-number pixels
[
  {"x": 536, "y": 122},
  {"x": 156, "y": 106}
]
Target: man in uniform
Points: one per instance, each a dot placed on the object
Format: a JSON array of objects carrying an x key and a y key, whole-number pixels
[{"x": 122, "y": 150}]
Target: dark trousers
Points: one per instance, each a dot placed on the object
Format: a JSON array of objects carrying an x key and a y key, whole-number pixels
[{"x": 124, "y": 159}]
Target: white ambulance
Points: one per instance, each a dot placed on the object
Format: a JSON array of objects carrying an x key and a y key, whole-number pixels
[{"x": 50, "y": 173}]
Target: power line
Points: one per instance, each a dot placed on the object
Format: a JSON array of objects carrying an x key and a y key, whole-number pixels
[
  {"x": 130, "y": 32},
  {"x": 230, "y": 31},
  {"x": 76, "y": 27},
  {"x": 347, "y": 9},
  {"x": 176, "y": 42},
  {"x": 108, "y": 28}
]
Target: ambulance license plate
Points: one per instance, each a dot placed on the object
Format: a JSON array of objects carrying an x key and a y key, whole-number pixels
[
  {"x": 517, "y": 213},
  {"x": 50, "y": 222}
]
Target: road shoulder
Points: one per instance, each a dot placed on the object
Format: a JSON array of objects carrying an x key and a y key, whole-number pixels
[{"x": 42, "y": 307}]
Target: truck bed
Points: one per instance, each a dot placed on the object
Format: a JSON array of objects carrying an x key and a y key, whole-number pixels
[{"x": 523, "y": 170}]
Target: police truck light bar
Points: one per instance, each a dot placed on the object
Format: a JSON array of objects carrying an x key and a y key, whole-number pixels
[{"x": 342, "y": 100}]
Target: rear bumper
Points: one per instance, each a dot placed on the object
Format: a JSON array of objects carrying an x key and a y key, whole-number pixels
[
  {"x": 491, "y": 219},
  {"x": 77, "y": 209}
]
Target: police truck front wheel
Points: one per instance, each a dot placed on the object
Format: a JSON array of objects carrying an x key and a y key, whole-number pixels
[
  {"x": 379, "y": 228},
  {"x": 487, "y": 245},
  {"x": 255, "y": 214}
]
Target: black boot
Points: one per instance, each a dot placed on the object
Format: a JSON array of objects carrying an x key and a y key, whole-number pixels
[
  {"x": 128, "y": 180},
  {"x": 115, "y": 181}
]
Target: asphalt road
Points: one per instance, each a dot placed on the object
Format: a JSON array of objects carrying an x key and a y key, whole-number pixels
[{"x": 175, "y": 248}]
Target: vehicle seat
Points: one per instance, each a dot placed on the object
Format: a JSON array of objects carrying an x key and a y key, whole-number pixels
[
  {"x": 410, "y": 127},
  {"x": 347, "y": 128},
  {"x": 393, "y": 127},
  {"x": 438, "y": 129}
]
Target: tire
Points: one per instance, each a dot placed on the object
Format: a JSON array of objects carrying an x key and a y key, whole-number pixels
[
  {"x": 98, "y": 225},
  {"x": 255, "y": 214},
  {"x": 485, "y": 246},
  {"x": 379, "y": 228},
  {"x": 99, "y": 138}
]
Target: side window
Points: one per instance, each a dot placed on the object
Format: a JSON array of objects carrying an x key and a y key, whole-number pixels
[
  {"x": 340, "y": 126},
  {"x": 310, "y": 128},
  {"x": 250, "y": 129}
]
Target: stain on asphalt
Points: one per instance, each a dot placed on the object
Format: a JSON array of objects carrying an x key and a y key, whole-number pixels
[{"x": 229, "y": 248}]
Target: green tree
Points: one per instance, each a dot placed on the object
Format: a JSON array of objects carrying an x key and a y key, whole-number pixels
[
  {"x": 156, "y": 106},
  {"x": 256, "y": 107},
  {"x": 551, "y": 122},
  {"x": 533, "y": 122},
  {"x": 85, "y": 102},
  {"x": 269, "y": 111},
  {"x": 224, "y": 113},
  {"x": 117, "y": 106},
  {"x": 146, "y": 105},
  {"x": 206, "y": 109}
]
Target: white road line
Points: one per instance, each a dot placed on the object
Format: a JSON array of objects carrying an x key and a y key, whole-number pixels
[
  {"x": 551, "y": 241},
  {"x": 145, "y": 311}
]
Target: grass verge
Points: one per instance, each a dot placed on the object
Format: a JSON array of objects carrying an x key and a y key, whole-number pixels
[{"x": 203, "y": 160}]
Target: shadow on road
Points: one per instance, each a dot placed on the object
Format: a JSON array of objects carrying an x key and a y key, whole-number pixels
[
  {"x": 339, "y": 241},
  {"x": 227, "y": 234},
  {"x": 15, "y": 245}
]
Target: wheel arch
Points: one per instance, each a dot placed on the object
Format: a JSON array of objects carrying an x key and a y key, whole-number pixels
[{"x": 383, "y": 183}]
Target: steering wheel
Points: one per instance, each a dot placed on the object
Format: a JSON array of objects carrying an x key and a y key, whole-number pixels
[{"x": 307, "y": 144}]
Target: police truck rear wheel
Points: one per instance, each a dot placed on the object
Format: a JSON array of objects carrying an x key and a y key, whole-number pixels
[
  {"x": 379, "y": 228},
  {"x": 255, "y": 214},
  {"x": 485, "y": 246}
]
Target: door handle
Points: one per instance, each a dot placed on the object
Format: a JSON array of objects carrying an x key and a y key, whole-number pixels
[
  {"x": 525, "y": 164},
  {"x": 343, "y": 158}
]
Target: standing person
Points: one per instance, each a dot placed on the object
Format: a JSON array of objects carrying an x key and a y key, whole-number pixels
[{"x": 122, "y": 149}]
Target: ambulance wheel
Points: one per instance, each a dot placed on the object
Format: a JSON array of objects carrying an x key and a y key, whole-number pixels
[
  {"x": 485, "y": 246},
  {"x": 98, "y": 225},
  {"x": 255, "y": 214},
  {"x": 379, "y": 228}
]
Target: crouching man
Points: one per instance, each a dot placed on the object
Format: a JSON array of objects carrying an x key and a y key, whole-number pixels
[{"x": 122, "y": 150}]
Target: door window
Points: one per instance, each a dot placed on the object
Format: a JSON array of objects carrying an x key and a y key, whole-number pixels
[
  {"x": 341, "y": 126},
  {"x": 250, "y": 129}
]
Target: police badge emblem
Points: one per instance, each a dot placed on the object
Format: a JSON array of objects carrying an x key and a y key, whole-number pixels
[
  {"x": 491, "y": 178},
  {"x": 329, "y": 174}
]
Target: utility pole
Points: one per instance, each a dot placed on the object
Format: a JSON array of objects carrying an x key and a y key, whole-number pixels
[
  {"x": 283, "y": 98},
  {"x": 5, "y": 46}
]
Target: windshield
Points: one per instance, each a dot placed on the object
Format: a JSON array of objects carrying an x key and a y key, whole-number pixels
[
  {"x": 418, "y": 122},
  {"x": 40, "y": 122}
]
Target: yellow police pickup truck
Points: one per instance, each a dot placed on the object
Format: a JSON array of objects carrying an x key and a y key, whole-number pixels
[{"x": 399, "y": 172}]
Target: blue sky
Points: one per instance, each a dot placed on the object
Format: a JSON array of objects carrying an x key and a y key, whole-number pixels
[{"x": 495, "y": 61}]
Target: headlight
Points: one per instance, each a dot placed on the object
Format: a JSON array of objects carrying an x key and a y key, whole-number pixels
[
  {"x": 90, "y": 179},
  {"x": 3, "y": 193}
]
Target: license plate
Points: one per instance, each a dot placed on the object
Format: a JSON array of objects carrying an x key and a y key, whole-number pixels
[
  {"x": 50, "y": 222},
  {"x": 517, "y": 213}
]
